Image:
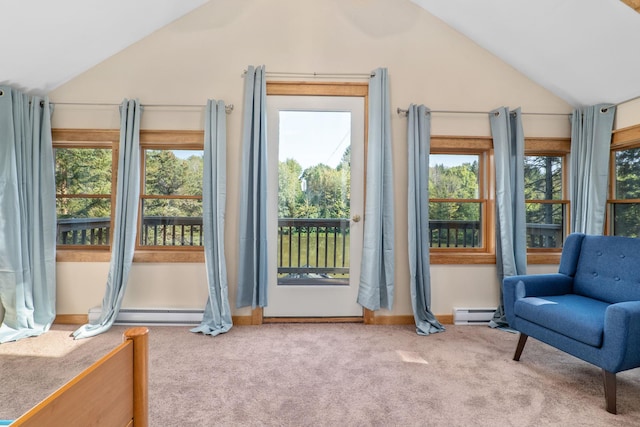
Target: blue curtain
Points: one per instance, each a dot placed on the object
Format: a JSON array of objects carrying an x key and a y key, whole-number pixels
[
  {"x": 377, "y": 268},
  {"x": 590, "y": 144},
  {"x": 217, "y": 313},
  {"x": 252, "y": 261},
  {"x": 124, "y": 232},
  {"x": 419, "y": 145},
  {"x": 511, "y": 244},
  {"x": 27, "y": 216}
]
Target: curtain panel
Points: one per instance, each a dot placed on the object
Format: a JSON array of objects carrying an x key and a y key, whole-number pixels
[
  {"x": 252, "y": 260},
  {"x": 376, "y": 286},
  {"x": 124, "y": 233},
  {"x": 590, "y": 144},
  {"x": 217, "y": 313},
  {"x": 511, "y": 244},
  {"x": 27, "y": 216},
  {"x": 419, "y": 146}
]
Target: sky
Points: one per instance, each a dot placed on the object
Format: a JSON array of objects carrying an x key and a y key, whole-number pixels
[
  {"x": 450, "y": 160},
  {"x": 313, "y": 137}
]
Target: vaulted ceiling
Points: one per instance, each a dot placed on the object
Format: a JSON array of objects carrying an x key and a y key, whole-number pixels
[
  {"x": 584, "y": 51},
  {"x": 45, "y": 43}
]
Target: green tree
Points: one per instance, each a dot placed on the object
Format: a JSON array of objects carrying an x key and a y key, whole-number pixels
[
  {"x": 454, "y": 182},
  {"x": 165, "y": 173},
  {"x": 543, "y": 181},
  {"x": 326, "y": 188},
  {"x": 83, "y": 171},
  {"x": 627, "y": 186},
  {"x": 169, "y": 175},
  {"x": 316, "y": 192},
  {"x": 289, "y": 188}
]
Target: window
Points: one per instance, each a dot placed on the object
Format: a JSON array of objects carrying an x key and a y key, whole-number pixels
[
  {"x": 546, "y": 198},
  {"x": 624, "y": 212},
  {"x": 171, "y": 198},
  {"x": 170, "y": 225},
  {"x": 545, "y": 202},
  {"x": 85, "y": 180},
  {"x": 171, "y": 191},
  {"x": 455, "y": 206},
  {"x": 460, "y": 210}
]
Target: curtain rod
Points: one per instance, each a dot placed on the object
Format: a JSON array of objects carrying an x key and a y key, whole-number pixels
[
  {"x": 317, "y": 75},
  {"x": 403, "y": 112},
  {"x": 635, "y": 98},
  {"x": 228, "y": 108}
]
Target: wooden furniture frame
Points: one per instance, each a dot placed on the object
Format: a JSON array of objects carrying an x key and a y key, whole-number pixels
[{"x": 111, "y": 392}]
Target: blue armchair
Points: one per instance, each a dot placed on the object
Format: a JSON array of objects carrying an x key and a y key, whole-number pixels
[{"x": 589, "y": 309}]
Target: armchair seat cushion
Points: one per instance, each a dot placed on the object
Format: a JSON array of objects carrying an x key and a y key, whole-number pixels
[{"x": 575, "y": 316}]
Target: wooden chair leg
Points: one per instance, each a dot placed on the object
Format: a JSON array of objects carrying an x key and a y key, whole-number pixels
[
  {"x": 610, "y": 391},
  {"x": 521, "y": 342}
]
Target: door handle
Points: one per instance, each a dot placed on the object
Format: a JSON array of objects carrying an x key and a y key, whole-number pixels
[{"x": 356, "y": 218}]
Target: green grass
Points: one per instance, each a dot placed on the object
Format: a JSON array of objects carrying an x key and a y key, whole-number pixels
[{"x": 288, "y": 244}]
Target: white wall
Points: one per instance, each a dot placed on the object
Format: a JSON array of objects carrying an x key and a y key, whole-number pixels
[
  {"x": 627, "y": 114},
  {"x": 203, "y": 55}
]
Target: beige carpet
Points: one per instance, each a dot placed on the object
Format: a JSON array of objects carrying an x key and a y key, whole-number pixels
[{"x": 334, "y": 375}]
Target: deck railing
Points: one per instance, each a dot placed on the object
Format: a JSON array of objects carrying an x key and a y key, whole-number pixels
[
  {"x": 171, "y": 231},
  {"x": 305, "y": 246},
  {"x": 467, "y": 234},
  {"x": 84, "y": 231},
  {"x": 156, "y": 231},
  {"x": 317, "y": 246},
  {"x": 454, "y": 234}
]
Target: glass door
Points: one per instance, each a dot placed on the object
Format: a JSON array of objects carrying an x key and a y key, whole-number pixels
[{"x": 316, "y": 156}]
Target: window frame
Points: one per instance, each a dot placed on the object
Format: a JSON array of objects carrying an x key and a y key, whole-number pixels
[
  {"x": 166, "y": 140},
  {"x": 81, "y": 139},
  {"x": 622, "y": 139},
  {"x": 552, "y": 147},
  {"x": 483, "y": 148},
  {"x": 110, "y": 138}
]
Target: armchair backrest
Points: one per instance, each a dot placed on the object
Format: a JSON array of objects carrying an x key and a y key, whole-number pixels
[
  {"x": 607, "y": 268},
  {"x": 571, "y": 254}
]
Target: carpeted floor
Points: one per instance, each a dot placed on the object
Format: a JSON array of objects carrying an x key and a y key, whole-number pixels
[{"x": 334, "y": 375}]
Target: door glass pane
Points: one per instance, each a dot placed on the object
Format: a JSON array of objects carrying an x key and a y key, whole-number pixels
[{"x": 314, "y": 177}]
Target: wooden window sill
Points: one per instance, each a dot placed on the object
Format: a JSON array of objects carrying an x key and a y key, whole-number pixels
[{"x": 101, "y": 255}]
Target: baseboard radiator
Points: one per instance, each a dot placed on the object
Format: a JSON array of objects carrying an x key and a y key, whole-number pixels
[
  {"x": 473, "y": 316},
  {"x": 152, "y": 316}
]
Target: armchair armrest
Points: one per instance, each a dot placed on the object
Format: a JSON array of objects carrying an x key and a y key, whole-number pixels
[
  {"x": 622, "y": 336},
  {"x": 514, "y": 287}
]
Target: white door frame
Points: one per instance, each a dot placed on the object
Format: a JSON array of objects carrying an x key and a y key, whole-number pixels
[{"x": 316, "y": 301}]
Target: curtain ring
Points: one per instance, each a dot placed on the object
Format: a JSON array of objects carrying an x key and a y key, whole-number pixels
[
  {"x": 1, "y": 93},
  {"x": 496, "y": 114},
  {"x": 604, "y": 109}
]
